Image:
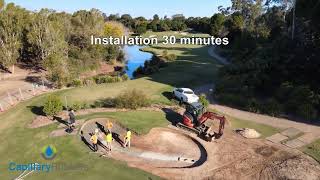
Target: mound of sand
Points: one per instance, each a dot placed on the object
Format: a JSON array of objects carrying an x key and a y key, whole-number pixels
[{"x": 248, "y": 133}]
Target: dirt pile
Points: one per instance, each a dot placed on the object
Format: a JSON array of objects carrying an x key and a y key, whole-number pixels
[{"x": 248, "y": 133}]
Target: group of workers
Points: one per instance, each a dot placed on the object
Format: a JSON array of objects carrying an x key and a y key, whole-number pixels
[
  {"x": 108, "y": 138},
  {"x": 107, "y": 142}
]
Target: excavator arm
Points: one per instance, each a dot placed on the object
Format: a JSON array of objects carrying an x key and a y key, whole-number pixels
[{"x": 211, "y": 115}]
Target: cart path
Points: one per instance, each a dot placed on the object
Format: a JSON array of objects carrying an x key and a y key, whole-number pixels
[{"x": 212, "y": 53}]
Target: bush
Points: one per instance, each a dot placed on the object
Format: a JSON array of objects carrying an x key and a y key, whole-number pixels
[
  {"x": 78, "y": 105},
  {"x": 52, "y": 106},
  {"x": 76, "y": 83},
  {"x": 253, "y": 105},
  {"x": 106, "y": 103},
  {"x": 89, "y": 82},
  {"x": 131, "y": 99},
  {"x": 117, "y": 79},
  {"x": 107, "y": 79},
  {"x": 125, "y": 77},
  {"x": 165, "y": 53},
  {"x": 171, "y": 57},
  {"x": 203, "y": 100}
]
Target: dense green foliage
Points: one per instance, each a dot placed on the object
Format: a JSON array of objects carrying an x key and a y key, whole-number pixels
[
  {"x": 131, "y": 99},
  {"x": 203, "y": 100},
  {"x": 56, "y": 42},
  {"x": 275, "y": 63},
  {"x": 140, "y": 25},
  {"x": 150, "y": 66},
  {"x": 52, "y": 106}
]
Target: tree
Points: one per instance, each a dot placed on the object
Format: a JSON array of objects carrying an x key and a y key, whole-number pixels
[
  {"x": 217, "y": 24},
  {"x": 127, "y": 20},
  {"x": 141, "y": 27},
  {"x": 52, "y": 106},
  {"x": 178, "y": 22},
  {"x": 163, "y": 26},
  {"x": 57, "y": 66},
  {"x": 10, "y": 35},
  {"x": 114, "y": 29},
  {"x": 47, "y": 35},
  {"x": 1, "y": 4},
  {"x": 156, "y": 17}
]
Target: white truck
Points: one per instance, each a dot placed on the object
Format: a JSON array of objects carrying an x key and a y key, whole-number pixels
[{"x": 185, "y": 95}]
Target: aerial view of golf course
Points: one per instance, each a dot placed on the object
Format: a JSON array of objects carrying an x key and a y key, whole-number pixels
[{"x": 138, "y": 89}]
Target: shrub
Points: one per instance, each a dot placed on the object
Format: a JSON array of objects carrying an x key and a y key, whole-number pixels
[
  {"x": 89, "y": 82},
  {"x": 131, "y": 99},
  {"x": 52, "y": 106},
  {"x": 125, "y": 77},
  {"x": 203, "y": 100},
  {"x": 78, "y": 105},
  {"x": 165, "y": 53},
  {"x": 171, "y": 57},
  {"x": 253, "y": 105},
  {"x": 117, "y": 79},
  {"x": 107, "y": 103},
  {"x": 76, "y": 83}
]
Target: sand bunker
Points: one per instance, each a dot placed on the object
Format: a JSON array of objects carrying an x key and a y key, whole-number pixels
[{"x": 175, "y": 154}]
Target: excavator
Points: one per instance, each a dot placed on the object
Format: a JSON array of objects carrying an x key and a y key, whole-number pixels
[{"x": 195, "y": 120}]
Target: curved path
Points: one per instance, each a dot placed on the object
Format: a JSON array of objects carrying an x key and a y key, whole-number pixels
[{"x": 212, "y": 53}]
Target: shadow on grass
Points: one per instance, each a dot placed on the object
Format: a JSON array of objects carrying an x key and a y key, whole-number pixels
[
  {"x": 168, "y": 95},
  {"x": 172, "y": 116},
  {"x": 37, "y": 110}
]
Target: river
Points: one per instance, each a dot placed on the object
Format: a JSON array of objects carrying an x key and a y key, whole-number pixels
[{"x": 135, "y": 58}]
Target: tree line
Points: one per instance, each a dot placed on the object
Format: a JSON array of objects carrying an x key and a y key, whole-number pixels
[{"x": 56, "y": 42}]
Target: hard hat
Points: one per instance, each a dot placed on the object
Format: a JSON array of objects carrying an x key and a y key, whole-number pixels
[{"x": 96, "y": 130}]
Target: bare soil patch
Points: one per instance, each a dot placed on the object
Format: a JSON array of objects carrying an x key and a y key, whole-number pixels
[{"x": 40, "y": 121}]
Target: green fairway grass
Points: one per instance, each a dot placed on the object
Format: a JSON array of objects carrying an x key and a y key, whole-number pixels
[{"x": 139, "y": 121}]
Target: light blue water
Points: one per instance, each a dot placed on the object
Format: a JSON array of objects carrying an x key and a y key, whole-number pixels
[{"x": 135, "y": 58}]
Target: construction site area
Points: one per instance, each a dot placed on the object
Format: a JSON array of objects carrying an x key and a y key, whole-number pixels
[{"x": 176, "y": 154}]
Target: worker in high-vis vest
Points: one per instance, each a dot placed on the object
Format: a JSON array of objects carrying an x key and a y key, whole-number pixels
[
  {"x": 109, "y": 140},
  {"x": 94, "y": 140},
  {"x": 109, "y": 126},
  {"x": 127, "y": 138}
]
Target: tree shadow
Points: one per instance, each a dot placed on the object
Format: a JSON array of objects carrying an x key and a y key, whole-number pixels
[
  {"x": 172, "y": 116},
  {"x": 37, "y": 110}
]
